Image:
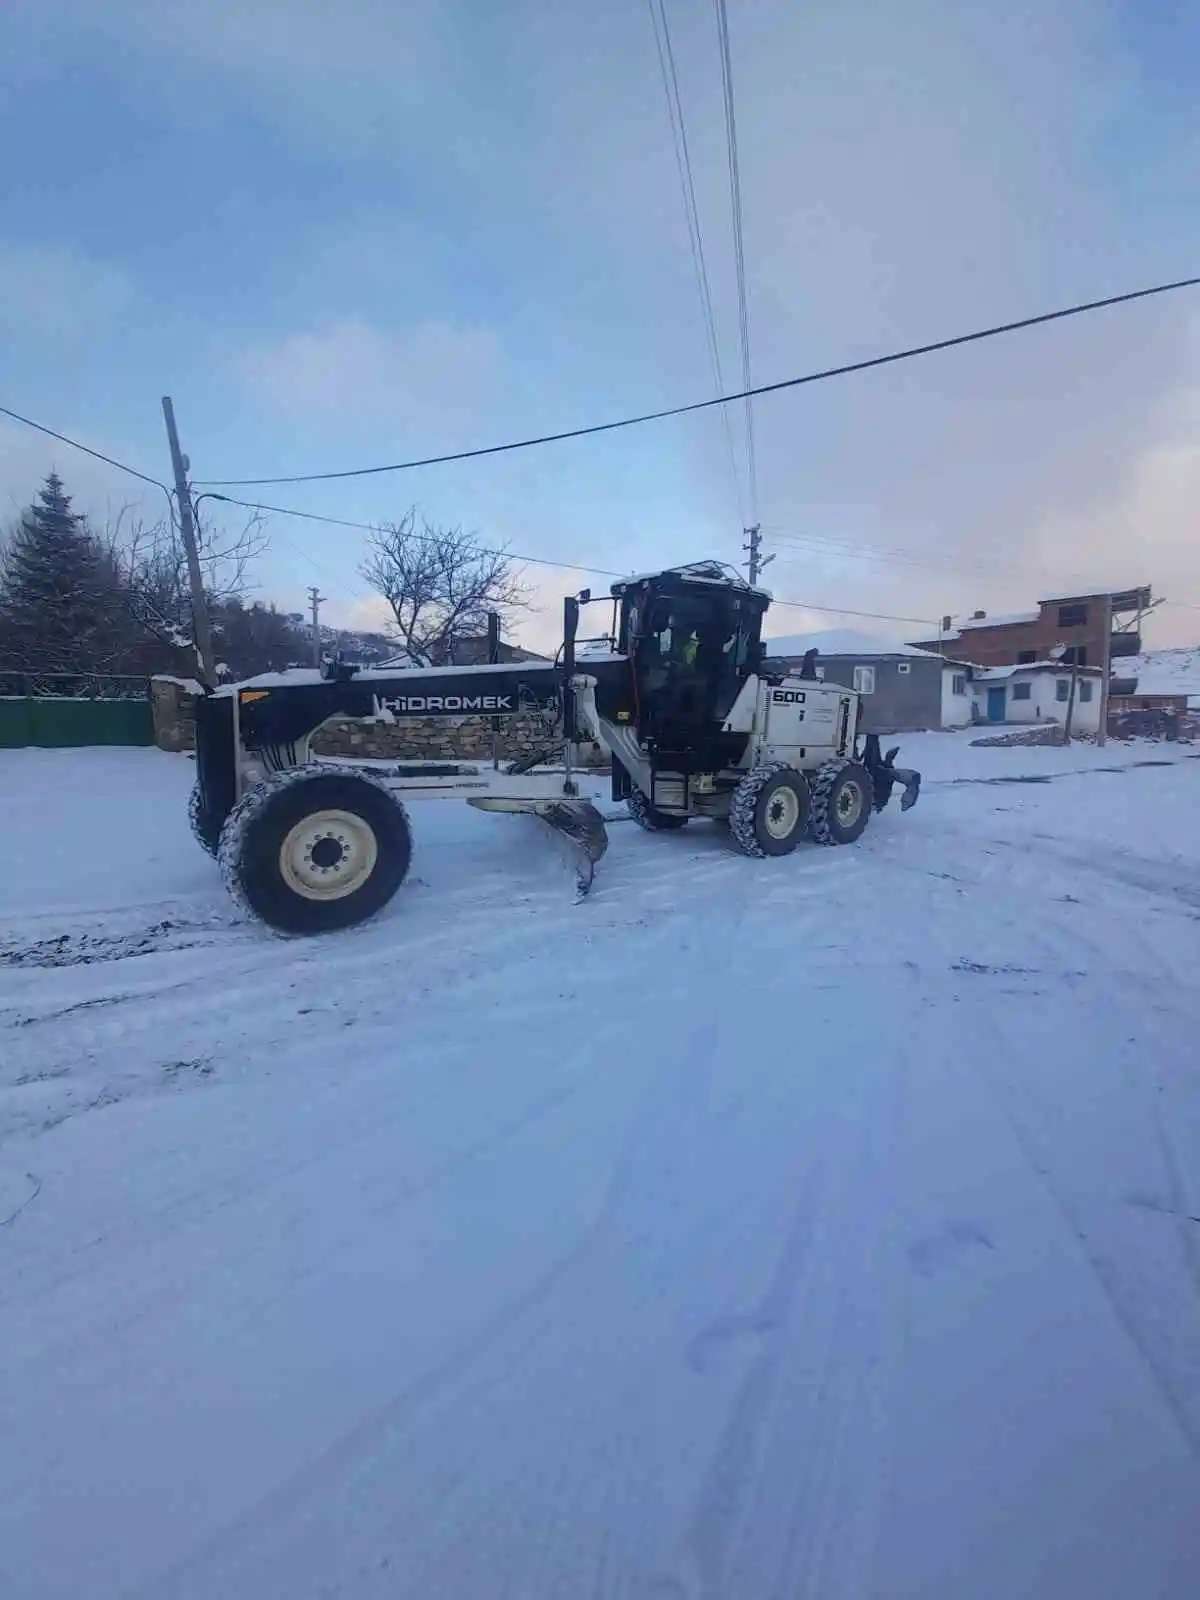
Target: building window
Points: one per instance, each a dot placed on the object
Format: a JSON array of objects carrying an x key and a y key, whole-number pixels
[
  {"x": 904, "y": 668},
  {"x": 1024, "y": 657},
  {"x": 1022, "y": 691},
  {"x": 864, "y": 680},
  {"x": 1085, "y": 690},
  {"x": 1062, "y": 689},
  {"x": 1072, "y": 616},
  {"x": 960, "y": 683},
  {"x": 1076, "y": 656}
]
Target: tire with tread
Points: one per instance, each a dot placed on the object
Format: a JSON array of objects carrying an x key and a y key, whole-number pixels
[
  {"x": 263, "y": 859},
  {"x": 205, "y": 831},
  {"x": 649, "y": 817},
  {"x": 842, "y": 797},
  {"x": 769, "y": 813}
]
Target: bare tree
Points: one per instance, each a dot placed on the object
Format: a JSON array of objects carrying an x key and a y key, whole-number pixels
[
  {"x": 440, "y": 584},
  {"x": 154, "y": 564}
]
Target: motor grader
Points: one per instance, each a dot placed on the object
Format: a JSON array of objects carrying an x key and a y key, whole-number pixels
[{"x": 698, "y": 722}]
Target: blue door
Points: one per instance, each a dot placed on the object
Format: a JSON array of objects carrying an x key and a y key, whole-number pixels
[{"x": 996, "y": 703}]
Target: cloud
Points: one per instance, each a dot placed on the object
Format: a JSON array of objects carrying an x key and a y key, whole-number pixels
[
  {"x": 423, "y": 376},
  {"x": 908, "y": 172},
  {"x": 49, "y": 292},
  {"x": 97, "y": 490},
  {"x": 1144, "y": 531},
  {"x": 350, "y": 74}
]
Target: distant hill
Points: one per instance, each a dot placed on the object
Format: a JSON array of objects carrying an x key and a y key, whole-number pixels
[{"x": 839, "y": 642}]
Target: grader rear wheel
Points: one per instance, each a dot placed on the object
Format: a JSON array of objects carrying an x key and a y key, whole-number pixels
[{"x": 842, "y": 798}]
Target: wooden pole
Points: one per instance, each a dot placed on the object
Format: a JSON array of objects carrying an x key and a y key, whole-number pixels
[{"x": 201, "y": 624}]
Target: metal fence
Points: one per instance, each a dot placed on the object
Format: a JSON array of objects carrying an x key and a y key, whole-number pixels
[{"x": 57, "y": 710}]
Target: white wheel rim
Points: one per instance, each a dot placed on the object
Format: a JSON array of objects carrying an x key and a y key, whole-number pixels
[
  {"x": 849, "y": 803},
  {"x": 782, "y": 813},
  {"x": 328, "y": 855}
]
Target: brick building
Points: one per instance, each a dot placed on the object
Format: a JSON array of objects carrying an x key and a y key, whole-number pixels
[{"x": 1078, "y": 621}]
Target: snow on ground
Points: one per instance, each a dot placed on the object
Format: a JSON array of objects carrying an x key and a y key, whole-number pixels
[{"x": 821, "y": 1227}]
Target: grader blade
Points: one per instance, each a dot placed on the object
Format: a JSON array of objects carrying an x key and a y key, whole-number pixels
[{"x": 576, "y": 822}]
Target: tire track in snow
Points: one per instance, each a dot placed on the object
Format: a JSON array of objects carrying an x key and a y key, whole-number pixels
[
  {"x": 640, "y": 1189},
  {"x": 1181, "y": 1400}
]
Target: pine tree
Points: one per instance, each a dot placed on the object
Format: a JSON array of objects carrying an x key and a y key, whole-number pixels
[{"x": 59, "y": 602}]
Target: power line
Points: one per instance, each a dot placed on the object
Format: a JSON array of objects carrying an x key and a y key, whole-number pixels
[
  {"x": 543, "y": 561},
  {"x": 691, "y": 211},
  {"x": 826, "y": 545},
  {"x": 97, "y": 455},
  {"x": 739, "y": 247},
  {"x": 373, "y": 527},
  {"x": 719, "y": 400}
]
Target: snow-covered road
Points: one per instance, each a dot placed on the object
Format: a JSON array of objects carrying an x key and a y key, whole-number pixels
[{"x": 822, "y": 1227}]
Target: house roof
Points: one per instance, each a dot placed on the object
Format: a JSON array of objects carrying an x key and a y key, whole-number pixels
[
  {"x": 1006, "y": 619},
  {"x": 839, "y": 642},
  {"x": 1132, "y": 594},
  {"x": 1165, "y": 671},
  {"x": 998, "y": 674}
]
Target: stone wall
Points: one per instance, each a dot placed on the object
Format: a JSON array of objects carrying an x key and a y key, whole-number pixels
[
  {"x": 432, "y": 738},
  {"x": 171, "y": 702}
]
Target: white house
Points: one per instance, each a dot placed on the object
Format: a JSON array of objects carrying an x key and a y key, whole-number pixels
[
  {"x": 1039, "y": 691},
  {"x": 958, "y": 703}
]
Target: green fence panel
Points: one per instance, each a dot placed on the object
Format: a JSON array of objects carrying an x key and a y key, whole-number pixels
[
  {"x": 53, "y": 722},
  {"x": 15, "y": 726}
]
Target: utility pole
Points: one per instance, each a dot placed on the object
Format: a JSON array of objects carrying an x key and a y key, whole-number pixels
[
  {"x": 315, "y": 601},
  {"x": 756, "y": 561},
  {"x": 1071, "y": 700},
  {"x": 201, "y": 625},
  {"x": 1106, "y": 672}
]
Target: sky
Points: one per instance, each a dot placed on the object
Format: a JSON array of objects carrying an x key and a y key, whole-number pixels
[{"x": 352, "y": 234}]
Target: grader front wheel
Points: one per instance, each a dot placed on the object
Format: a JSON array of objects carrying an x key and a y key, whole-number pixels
[
  {"x": 313, "y": 850},
  {"x": 768, "y": 815}
]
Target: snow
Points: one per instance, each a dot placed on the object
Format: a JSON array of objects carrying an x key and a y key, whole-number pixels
[
  {"x": 1163, "y": 671},
  {"x": 189, "y": 685},
  {"x": 996, "y": 674},
  {"x": 301, "y": 675},
  {"x": 818, "y": 1227},
  {"x": 997, "y": 621},
  {"x": 711, "y": 572},
  {"x": 839, "y": 642}
]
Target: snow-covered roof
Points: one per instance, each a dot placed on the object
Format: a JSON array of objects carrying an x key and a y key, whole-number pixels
[
  {"x": 1098, "y": 591},
  {"x": 997, "y": 674},
  {"x": 1001, "y": 620},
  {"x": 1164, "y": 671},
  {"x": 839, "y": 642}
]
